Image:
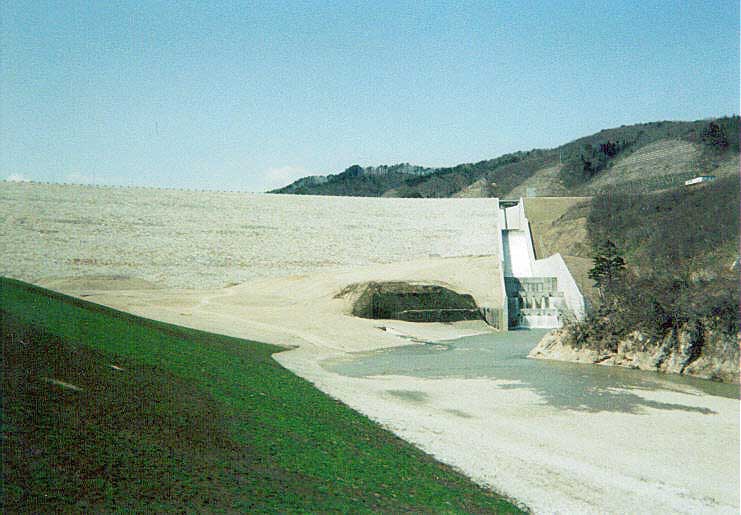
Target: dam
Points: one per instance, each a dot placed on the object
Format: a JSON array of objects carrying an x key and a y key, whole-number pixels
[
  {"x": 67, "y": 236},
  {"x": 206, "y": 239}
]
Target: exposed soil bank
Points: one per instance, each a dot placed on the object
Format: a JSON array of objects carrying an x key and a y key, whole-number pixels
[
  {"x": 414, "y": 302},
  {"x": 706, "y": 354}
]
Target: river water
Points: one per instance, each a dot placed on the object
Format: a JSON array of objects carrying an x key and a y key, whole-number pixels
[{"x": 503, "y": 356}]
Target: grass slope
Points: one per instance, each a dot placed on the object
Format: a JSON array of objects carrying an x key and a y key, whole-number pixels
[{"x": 187, "y": 421}]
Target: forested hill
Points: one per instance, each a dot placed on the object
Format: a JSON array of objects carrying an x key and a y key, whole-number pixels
[{"x": 631, "y": 159}]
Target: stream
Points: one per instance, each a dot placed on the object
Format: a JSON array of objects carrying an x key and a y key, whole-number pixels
[{"x": 503, "y": 357}]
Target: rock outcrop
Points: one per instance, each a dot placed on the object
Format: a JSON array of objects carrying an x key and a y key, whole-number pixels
[{"x": 691, "y": 350}]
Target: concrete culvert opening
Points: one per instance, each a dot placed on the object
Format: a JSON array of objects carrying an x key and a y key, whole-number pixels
[{"x": 411, "y": 302}]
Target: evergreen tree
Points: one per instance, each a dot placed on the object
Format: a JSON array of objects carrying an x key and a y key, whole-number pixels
[
  {"x": 715, "y": 136},
  {"x": 608, "y": 267}
]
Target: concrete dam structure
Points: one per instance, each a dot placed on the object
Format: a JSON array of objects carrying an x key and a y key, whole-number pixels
[
  {"x": 532, "y": 293},
  {"x": 540, "y": 293}
]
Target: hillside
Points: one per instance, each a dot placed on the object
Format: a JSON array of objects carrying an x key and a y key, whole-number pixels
[
  {"x": 636, "y": 158},
  {"x": 675, "y": 306},
  {"x": 357, "y": 181},
  {"x": 559, "y": 225}
]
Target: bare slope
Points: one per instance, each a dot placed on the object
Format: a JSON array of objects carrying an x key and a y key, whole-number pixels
[
  {"x": 194, "y": 239},
  {"x": 663, "y": 164},
  {"x": 544, "y": 182}
]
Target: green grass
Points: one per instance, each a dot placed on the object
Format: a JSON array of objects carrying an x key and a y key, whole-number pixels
[{"x": 194, "y": 422}]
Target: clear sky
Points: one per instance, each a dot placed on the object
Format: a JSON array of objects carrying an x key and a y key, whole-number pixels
[{"x": 250, "y": 95}]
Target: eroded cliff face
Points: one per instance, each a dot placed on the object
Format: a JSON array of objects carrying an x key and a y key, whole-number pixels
[{"x": 693, "y": 350}]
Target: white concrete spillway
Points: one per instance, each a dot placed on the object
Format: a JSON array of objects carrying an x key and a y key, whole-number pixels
[
  {"x": 541, "y": 293},
  {"x": 516, "y": 259}
]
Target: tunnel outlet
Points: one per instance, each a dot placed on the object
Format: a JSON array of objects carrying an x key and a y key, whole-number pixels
[{"x": 411, "y": 302}]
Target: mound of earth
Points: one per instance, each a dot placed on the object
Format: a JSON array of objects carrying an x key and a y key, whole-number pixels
[{"x": 412, "y": 302}]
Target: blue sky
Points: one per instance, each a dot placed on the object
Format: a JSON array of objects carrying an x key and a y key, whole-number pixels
[{"x": 250, "y": 95}]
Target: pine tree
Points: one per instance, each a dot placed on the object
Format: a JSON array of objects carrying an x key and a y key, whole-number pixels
[{"x": 608, "y": 267}]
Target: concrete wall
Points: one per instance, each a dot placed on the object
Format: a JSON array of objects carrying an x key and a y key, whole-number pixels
[
  {"x": 517, "y": 246},
  {"x": 518, "y": 260},
  {"x": 554, "y": 266},
  {"x": 514, "y": 218},
  {"x": 503, "y": 312}
]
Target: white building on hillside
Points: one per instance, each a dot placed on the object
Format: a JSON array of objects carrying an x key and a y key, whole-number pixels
[{"x": 699, "y": 180}]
